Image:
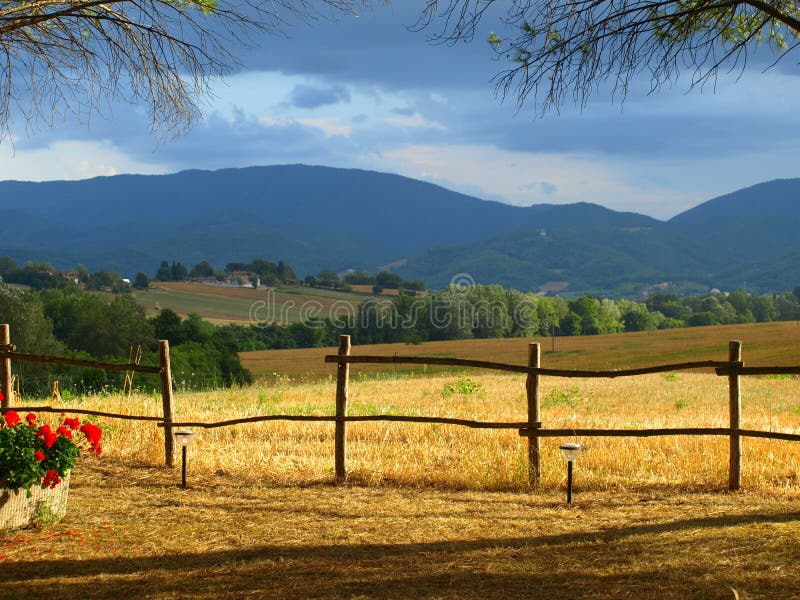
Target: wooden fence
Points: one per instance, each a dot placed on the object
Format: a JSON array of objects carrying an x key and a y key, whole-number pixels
[
  {"x": 8, "y": 353},
  {"x": 733, "y": 368},
  {"x": 531, "y": 428}
]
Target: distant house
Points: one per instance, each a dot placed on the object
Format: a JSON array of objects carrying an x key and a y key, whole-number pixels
[
  {"x": 70, "y": 276},
  {"x": 232, "y": 279}
]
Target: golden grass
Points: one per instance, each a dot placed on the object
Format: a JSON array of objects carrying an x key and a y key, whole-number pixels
[
  {"x": 429, "y": 511},
  {"x": 289, "y": 453},
  {"x": 763, "y": 344}
]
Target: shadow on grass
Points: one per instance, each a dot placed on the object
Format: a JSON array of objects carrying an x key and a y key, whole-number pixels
[{"x": 607, "y": 563}]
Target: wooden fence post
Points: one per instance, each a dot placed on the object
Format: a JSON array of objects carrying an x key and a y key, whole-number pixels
[
  {"x": 5, "y": 368},
  {"x": 532, "y": 389},
  {"x": 735, "y": 396},
  {"x": 166, "y": 400},
  {"x": 342, "y": 376}
]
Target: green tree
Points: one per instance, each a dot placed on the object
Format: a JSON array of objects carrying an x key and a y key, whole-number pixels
[
  {"x": 90, "y": 323},
  {"x": 164, "y": 272},
  {"x": 7, "y": 265},
  {"x": 141, "y": 281},
  {"x": 178, "y": 271},
  {"x": 570, "y": 324},
  {"x": 388, "y": 280},
  {"x": 327, "y": 278},
  {"x": 202, "y": 269},
  {"x": 588, "y": 309},
  {"x": 31, "y": 331},
  {"x": 559, "y": 50},
  {"x": 764, "y": 309},
  {"x": 636, "y": 317},
  {"x": 609, "y": 317},
  {"x": 285, "y": 273},
  {"x": 83, "y": 274},
  {"x": 167, "y": 326}
]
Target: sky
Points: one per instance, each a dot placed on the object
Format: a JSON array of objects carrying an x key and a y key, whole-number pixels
[{"x": 366, "y": 92}]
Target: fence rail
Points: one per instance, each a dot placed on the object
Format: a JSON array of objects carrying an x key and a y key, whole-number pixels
[
  {"x": 495, "y": 366},
  {"x": 8, "y": 353},
  {"x": 359, "y": 419},
  {"x": 532, "y": 428},
  {"x": 726, "y": 431},
  {"x": 83, "y": 411},
  {"x": 733, "y": 368},
  {"x": 76, "y": 362}
]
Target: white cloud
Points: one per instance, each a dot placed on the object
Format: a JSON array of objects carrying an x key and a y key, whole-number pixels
[
  {"x": 415, "y": 120},
  {"x": 330, "y": 127},
  {"x": 494, "y": 173},
  {"x": 69, "y": 160}
]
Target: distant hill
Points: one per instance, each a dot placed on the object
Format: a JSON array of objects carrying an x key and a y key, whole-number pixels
[
  {"x": 757, "y": 221},
  {"x": 748, "y": 239},
  {"x": 320, "y": 217}
]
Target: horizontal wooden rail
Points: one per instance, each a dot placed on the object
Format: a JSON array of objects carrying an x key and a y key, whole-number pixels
[
  {"x": 77, "y": 362},
  {"x": 80, "y": 411},
  {"x": 422, "y": 360},
  {"x": 482, "y": 364},
  {"x": 726, "y": 431},
  {"x": 758, "y": 370},
  {"x": 334, "y": 419}
]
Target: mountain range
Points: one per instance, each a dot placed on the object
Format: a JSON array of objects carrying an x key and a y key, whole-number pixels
[{"x": 317, "y": 218}]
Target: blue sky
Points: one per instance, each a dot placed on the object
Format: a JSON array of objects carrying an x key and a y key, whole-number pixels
[{"x": 368, "y": 93}]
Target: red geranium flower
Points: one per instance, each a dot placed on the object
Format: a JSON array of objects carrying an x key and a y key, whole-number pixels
[
  {"x": 92, "y": 433},
  {"x": 47, "y": 435},
  {"x": 72, "y": 423},
  {"x": 51, "y": 479},
  {"x": 12, "y": 418},
  {"x": 39, "y": 455},
  {"x": 65, "y": 431},
  {"x": 31, "y": 419}
]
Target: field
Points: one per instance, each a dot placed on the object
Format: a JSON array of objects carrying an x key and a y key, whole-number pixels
[
  {"x": 233, "y": 305},
  {"x": 437, "y": 511},
  {"x": 763, "y": 344}
]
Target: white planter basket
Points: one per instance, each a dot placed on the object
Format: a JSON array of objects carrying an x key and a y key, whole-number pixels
[{"x": 44, "y": 505}]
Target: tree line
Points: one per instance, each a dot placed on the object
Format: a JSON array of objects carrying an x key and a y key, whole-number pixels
[
  {"x": 69, "y": 321},
  {"x": 490, "y": 311},
  {"x": 258, "y": 270}
]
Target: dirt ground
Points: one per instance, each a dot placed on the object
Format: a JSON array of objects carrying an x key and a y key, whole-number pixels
[{"x": 132, "y": 532}]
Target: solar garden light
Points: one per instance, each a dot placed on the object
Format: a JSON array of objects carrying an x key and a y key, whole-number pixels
[
  {"x": 183, "y": 437},
  {"x": 570, "y": 451}
]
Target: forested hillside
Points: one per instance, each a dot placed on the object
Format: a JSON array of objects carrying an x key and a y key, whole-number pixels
[{"x": 319, "y": 218}]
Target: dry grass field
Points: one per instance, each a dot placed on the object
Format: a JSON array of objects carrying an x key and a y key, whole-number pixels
[
  {"x": 130, "y": 533},
  {"x": 233, "y": 304},
  {"x": 763, "y": 344},
  {"x": 435, "y": 511}
]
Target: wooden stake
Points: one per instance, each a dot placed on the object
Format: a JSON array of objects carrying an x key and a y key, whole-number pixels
[
  {"x": 532, "y": 389},
  {"x": 342, "y": 376},
  {"x": 166, "y": 400},
  {"x": 735, "y": 473},
  {"x": 5, "y": 368}
]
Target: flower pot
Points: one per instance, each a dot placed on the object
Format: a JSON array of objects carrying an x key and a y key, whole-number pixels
[{"x": 45, "y": 505}]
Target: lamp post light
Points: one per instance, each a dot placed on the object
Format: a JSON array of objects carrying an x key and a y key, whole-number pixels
[
  {"x": 570, "y": 451},
  {"x": 183, "y": 437}
]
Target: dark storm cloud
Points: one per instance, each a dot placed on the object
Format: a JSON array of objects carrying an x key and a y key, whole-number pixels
[
  {"x": 309, "y": 96},
  {"x": 447, "y": 85},
  {"x": 377, "y": 48}
]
